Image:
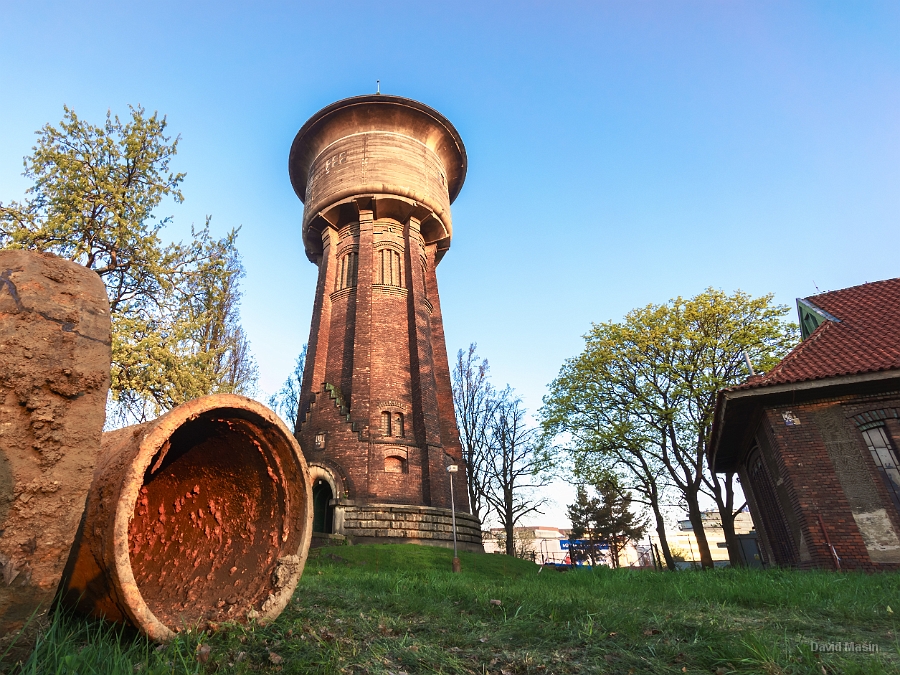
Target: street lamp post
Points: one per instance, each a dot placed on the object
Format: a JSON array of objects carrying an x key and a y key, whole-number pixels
[{"x": 452, "y": 469}]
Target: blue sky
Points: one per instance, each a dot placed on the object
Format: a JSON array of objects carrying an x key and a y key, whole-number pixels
[{"x": 620, "y": 153}]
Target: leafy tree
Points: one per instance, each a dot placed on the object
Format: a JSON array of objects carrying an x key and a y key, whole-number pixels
[
  {"x": 174, "y": 308},
  {"x": 190, "y": 344},
  {"x": 516, "y": 463},
  {"x": 639, "y": 472},
  {"x": 614, "y": 520},
  {"x": 645, "y": 390},
  {"x": 286, "y": 401},
  {"x": 211, "y": 298},
  {"x": 475, "y": 402},
  {"x": 606, "y": 518},
  {"x": 583, "y": 515}
]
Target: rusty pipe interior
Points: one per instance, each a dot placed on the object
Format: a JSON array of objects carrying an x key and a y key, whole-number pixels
[{"x": 203, "y": 515}]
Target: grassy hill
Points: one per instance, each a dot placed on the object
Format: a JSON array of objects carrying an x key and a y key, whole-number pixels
[{"x": 399, "y": 609}]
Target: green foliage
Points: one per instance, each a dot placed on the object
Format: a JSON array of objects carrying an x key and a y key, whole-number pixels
[
  {"x": 391, "y": 609},
  {"x": 174, "y": 308},
  {"x": 639, "y": 400},
  {"x": 73, "y": 646},
  {"x": 581, "y": 515},
  {"x": 605, "y": 518}
]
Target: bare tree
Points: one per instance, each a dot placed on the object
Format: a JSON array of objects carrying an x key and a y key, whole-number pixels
[
  {"x": 474, "y": 400},
  {"x": 517, "y": 462},
  {"x": 286, "y": 401}
]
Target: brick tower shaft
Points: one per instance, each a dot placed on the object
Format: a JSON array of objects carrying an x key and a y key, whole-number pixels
[{"x": 377, "y": 175}]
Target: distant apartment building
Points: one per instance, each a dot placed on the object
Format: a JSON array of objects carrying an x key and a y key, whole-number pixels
[
  {"x": 683, "y": 541},
  {"x": 550, "y": 545},
  {"x": 540, "y": 543}
]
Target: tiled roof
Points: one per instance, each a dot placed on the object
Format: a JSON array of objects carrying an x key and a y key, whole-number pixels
[{"x": 865, "y": 340}]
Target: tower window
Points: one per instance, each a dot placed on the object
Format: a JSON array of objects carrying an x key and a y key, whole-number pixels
[
  {"x": 392, "y": 424},
  {"x": 391, "y": 272},
  {"x": 320, "y": 440},
  {"x": 347, "y": 267},
  {"x": 394, "y": 465}
]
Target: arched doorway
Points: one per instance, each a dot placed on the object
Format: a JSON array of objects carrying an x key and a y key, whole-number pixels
[{"x": 323, "y": 511}]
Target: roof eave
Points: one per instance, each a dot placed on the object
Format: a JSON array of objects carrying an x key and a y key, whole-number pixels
[{"x": 727, "y": 399}]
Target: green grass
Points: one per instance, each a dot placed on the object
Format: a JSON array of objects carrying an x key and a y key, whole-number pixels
[{"x": 399, "y": 609}]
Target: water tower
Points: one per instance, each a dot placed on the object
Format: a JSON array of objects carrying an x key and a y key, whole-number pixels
[{"x": 377, "y": 175}]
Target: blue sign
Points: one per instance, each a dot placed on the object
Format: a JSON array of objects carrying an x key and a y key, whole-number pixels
[{"x": 568, "y": 544}]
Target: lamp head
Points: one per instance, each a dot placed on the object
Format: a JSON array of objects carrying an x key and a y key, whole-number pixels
[{"x": 453, "y": 468}]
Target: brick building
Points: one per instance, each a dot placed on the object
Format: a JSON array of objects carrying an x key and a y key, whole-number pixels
[
  {"x": 815, "y": 440},
  {"x": 377, "y": 175}
]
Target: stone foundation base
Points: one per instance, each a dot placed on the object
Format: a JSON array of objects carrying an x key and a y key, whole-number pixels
[
  {"x": 398, "y": 524},
  {"x": 320, "y": 539}
]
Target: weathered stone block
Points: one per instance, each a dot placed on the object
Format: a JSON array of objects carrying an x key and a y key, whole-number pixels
[{"x": 54, "y": 379}]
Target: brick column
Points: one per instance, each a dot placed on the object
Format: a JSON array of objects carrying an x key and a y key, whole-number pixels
[
  {"x": 446, "y": 412},
  {"x": 435, "y": 483},
  {"x": 319, "y": 332},
  {"x": 361, "y": 388}
]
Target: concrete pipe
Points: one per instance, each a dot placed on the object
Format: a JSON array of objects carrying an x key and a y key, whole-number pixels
[{"x": 203, "y": 515}]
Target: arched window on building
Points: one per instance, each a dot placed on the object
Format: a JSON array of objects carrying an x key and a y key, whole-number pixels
[
  {"x": 347, "y": 267},
  {"x": 386, "y": 423},
  {"x": 391, "y": 270},
  {"x": 398, "y": 425},
  {"x": 885, "y": 459},
  {"x": 393, "y": 464}
]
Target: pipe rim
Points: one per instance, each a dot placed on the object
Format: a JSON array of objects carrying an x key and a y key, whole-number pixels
[{"x": 156, "y": 434}]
